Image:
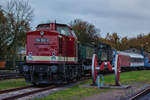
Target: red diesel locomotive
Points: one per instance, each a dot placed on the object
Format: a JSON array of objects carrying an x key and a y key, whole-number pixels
[{"x": 54, "y": 55}]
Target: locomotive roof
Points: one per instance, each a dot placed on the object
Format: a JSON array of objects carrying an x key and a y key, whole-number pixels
[{"x": 56, "y": 24}]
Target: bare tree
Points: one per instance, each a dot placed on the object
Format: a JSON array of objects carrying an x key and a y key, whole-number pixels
[{"x": 19, "y": 15}]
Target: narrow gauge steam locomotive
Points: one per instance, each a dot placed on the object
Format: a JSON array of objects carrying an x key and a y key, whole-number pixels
[{"x": 54, "y": 55}]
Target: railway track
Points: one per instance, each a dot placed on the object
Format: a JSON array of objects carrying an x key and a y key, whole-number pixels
[
  {"x": 14, "y": 89},
  {"x": 142, "y": 95},
  {"x": 21, "y": 92},
  {"x": 4, "y": 76},
  {"x": 16, "y": 93}
]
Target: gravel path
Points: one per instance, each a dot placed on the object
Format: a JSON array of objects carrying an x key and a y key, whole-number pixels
[{"x": 118, "y": 94}]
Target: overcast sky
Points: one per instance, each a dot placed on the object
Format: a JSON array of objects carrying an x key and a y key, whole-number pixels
[{"x": 126, "y": 17}]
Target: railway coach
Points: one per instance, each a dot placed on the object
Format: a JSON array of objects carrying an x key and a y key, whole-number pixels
[{"x": 130, "y": 60}]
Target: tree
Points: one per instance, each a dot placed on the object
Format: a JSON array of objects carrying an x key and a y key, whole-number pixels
[
  {"x": 124, "y": 43},
  {"x": 19, "y": 14},
  {"x": 113, "y": 40},
  {"x": 85, "y": 31},
  {"x": 4, "y": 34}
]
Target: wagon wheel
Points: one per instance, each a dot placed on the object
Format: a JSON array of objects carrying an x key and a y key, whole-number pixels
[
  {"x": 117, "y": 71},
  {"x": 93, "y": 69}
]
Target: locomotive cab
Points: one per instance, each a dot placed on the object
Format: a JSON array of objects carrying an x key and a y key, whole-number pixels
[{"x": 51, "y": 48}]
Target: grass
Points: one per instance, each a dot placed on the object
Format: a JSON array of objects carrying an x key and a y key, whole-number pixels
[
  {"x": 12, "y": 83},
  {"x": 2, "y": 70},
  {"x": 76, "y": 92},
  {"x": 130, "y": 77}
]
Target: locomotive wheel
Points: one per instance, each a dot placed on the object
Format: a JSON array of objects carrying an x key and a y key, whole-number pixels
[
  {"x": 117, "y": 70},
  {"x": 93, "y": 69}
]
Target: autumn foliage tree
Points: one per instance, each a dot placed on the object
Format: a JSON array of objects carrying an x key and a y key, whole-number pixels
[
  {"x": 113, "y": 40},
  {"x": 124, "y": 43},
  {"x": 85, "y": 32}
]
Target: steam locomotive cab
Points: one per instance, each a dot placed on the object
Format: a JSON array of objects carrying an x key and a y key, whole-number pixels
[{"x": 51, "y": 54}]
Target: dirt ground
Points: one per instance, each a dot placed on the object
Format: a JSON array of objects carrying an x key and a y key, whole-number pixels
[{"x": 118, "y": 94}]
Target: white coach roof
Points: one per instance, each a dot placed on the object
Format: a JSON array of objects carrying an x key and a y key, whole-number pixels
[{"x": 132, "y": 55}]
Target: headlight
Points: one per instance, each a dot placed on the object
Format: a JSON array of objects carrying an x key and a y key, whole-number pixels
[
  {"x": 54, "y": 68},
  {"x": 53, "y": 57},
  {"x": 25, "y": 68},
  {"x": 30, "y": 56}
]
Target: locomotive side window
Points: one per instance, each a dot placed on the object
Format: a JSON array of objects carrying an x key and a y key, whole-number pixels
[
  {"x": 73, "y": 33},
  {"x": 63, "y": 30}
]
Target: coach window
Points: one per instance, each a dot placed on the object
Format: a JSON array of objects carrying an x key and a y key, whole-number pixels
[
  {"x": 132, "y": 60},
  {"x": 63, "y": 30}
]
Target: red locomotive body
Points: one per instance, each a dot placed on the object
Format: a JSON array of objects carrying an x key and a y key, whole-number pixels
[
  {"x": 51, "y": 54},
  {"x": 51, "y": 43}
]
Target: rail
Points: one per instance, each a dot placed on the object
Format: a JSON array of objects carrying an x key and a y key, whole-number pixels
[
  {"x": 14, "y": 97},
  {"x": 141, "y": 94}
]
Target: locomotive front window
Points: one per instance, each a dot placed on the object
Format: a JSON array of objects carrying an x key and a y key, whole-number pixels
[
  {"x": 43, "y": 27},
  {"x": 63, "y": 30}
]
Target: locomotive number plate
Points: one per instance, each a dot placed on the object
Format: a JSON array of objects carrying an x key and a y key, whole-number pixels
[{"x": 41, "y": 40}]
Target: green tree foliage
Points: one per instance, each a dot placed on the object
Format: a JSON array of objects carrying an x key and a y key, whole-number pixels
[
  {"x": 85, "y": 32},
  {"x": 4, "y": 34}
]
